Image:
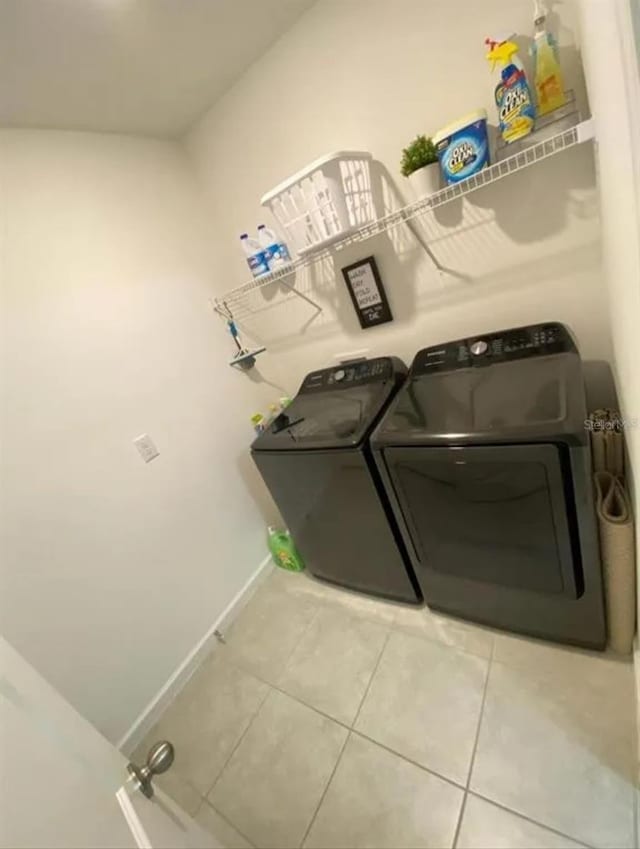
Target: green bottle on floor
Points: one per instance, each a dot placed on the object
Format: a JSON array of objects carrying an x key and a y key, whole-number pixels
[{"x": 284, "y": 551}]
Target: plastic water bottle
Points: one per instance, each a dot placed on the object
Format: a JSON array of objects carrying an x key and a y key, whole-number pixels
[
  {"x": 275, "y": 251},
  {"x": 256, "y": 259}
]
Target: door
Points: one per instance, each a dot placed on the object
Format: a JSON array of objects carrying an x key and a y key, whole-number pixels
[
  {"x": 490, "y": 514},
  {"x": 64, "y": 785}
]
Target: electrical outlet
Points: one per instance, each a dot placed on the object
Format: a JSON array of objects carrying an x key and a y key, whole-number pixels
[{"x": 146, "y": 447}]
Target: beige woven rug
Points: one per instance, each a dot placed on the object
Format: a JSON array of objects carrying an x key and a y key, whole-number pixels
[{"x": 617, "y": 538}]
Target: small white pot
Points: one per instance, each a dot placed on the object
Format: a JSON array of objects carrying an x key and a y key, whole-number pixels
[{"x": 425, "y": 181}]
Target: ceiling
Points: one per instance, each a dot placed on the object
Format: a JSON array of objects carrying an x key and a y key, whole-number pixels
[{"x": 132, "y": 66}]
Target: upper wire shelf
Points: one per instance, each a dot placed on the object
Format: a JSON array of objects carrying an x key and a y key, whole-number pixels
[{"x": 585, "y": 130}]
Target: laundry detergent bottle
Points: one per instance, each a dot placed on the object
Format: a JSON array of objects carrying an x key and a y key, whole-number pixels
[
  {"x": 548, "y": 76},
  {"x": 516, "y": 111},
  {"x": 283, "y": 550}
]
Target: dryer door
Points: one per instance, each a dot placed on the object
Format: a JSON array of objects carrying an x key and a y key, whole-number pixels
[{"x": 495, "y": 514}]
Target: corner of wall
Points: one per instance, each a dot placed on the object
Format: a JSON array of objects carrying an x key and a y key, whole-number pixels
[{"x": 181, "y": 675}]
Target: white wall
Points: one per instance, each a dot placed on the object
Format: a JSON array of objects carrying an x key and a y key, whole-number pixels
[
  {"x": 370, "y": 75},
  {"x": 614, "y": 89},
  {"x": 112, "y": 570}
]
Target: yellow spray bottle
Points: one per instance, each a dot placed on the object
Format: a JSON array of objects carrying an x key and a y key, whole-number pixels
[
  {"x": 516, "y": 112},
  {"x": 548, "y": 76}
]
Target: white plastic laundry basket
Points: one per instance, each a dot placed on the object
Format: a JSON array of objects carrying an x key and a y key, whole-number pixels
[{"x": 325, "y": 201}]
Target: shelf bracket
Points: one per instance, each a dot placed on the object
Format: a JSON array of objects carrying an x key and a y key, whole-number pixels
[
  {"x": 304, "y": 297},
  {"x": 410, "y": 222},
  {"x": 224, "y": 311},
  {"x": 586, "y": 130}
]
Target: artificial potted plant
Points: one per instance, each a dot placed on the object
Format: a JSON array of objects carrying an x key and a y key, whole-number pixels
[{"x": 420, "y": 164}]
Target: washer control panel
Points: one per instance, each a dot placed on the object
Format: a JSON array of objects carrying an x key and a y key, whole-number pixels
[
  {"x": 349, "y": 374},
  {"x": 536, "y": 340}
]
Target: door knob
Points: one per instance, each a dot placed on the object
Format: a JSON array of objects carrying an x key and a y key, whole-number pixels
[{"x": 161, "y": 756}]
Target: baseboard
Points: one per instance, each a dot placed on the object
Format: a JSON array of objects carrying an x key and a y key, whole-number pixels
[
  {"x": 636, "y": 675},
  {"x": 158, "y": 704}
]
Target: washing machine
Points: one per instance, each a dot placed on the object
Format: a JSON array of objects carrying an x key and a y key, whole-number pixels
[
  {"x": 486, "y": 461},
  {"x": 316, "y": 461}
]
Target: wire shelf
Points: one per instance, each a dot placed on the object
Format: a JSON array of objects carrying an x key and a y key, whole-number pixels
[{"x": 228, "y": 303}]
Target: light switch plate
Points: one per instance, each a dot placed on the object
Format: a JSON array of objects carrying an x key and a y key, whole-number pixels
[{"x": 146, "y": 446}]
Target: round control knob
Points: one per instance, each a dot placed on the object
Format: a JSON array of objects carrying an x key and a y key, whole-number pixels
[
  {"x": 339, "y": 375},
  {"x": 479, "y": 347}
]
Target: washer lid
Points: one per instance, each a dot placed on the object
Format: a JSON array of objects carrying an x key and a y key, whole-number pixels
[
  {"x": 335, "y": 407},
  {"x": 499, "y": 388}
]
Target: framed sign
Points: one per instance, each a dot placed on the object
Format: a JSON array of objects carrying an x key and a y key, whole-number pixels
[{"x": 367, "y": 292}]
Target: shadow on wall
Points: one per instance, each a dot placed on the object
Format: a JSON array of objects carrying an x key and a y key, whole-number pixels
[
  {"x": 256, "y": 376},
  {"x": 535, "y": 209},
  {"x": 600, "y": 385}
]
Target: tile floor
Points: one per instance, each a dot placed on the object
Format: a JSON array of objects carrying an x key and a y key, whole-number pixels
[{"x": 333, "y": 720}]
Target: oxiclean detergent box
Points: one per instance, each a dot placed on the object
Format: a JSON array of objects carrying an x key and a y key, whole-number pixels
[{"x": 463, "y": 147}]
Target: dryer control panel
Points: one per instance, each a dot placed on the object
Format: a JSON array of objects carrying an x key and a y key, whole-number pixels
[
  {"x": 536, "y": 340},
  {"x": 349, "y": 374}
]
